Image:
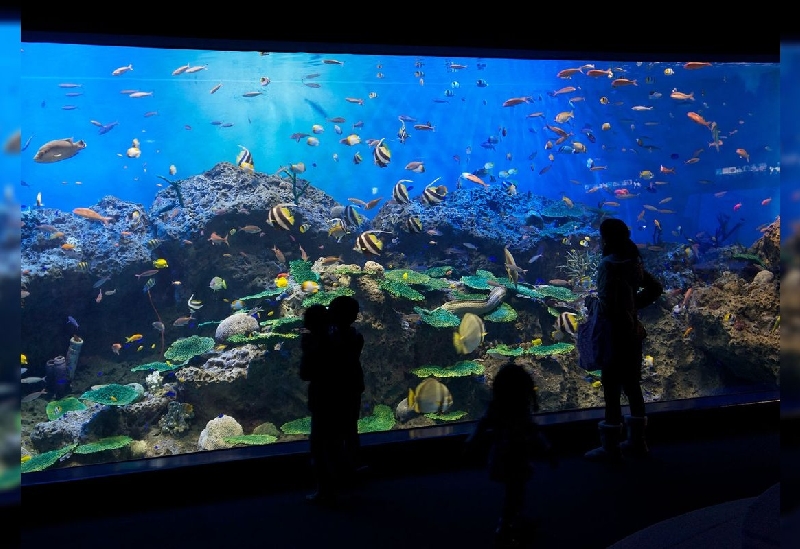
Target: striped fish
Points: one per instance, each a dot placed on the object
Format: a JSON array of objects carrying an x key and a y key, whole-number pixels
[
  {"x": 413, "y": 224},
  {"x": 281, "y": 217},
  {"x": 368, "y": 243},
  {"x": 400, "y": 192},
  {"x": 245, "y": 160},
  {"x": 381, "y": 155},
  {"x": 433, "y": 195}
]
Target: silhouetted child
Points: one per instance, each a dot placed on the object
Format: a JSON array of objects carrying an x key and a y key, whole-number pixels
[
  {"x": 317, "y": 368},
  {"x": 513, "y": 437},
  {"x": 346, "y": 346}
]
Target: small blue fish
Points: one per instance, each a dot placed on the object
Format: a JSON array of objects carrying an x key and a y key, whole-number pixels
[{"x": 72, "y": 321}]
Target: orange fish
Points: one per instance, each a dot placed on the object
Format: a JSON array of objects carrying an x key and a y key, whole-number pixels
[
  {"x": 88, "y": 213},
  {"x": 474, "y": 178},
  {"x": 694, "y": 65},
  {"x": 699, "y": 119},
  {"x": 115, "y": 348},
  {"x": 66, "y": 246},
  {"x": 217, "y": 239},
  {"x": 743, "y": 153},
  {"x": 517, "y": 101},
  {"x": 133, "y": 338},
  {"x": 664, "y": 169},
  {"x": 619, "y": 82}
]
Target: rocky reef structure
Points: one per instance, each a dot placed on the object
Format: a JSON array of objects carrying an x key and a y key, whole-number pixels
[{"x": 233, "y": 350}]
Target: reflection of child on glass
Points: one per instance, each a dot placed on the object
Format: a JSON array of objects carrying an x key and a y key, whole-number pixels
[
  {"x": 511, "y": 434},
  {"x": 623, "y": 287}
]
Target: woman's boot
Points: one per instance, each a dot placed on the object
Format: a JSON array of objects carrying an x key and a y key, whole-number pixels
[
  {"x": 608, "y": 450},
  {"x": 636, "y": 444}
]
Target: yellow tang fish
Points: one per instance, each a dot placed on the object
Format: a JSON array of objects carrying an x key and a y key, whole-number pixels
[{"x": 160, "y": 264}]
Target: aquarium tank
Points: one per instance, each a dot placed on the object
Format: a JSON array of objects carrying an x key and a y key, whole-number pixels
[{"x": 182, "y": 208}]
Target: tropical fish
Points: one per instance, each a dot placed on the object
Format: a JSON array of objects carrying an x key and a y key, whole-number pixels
[
  {"x": 134, "y": 338},
  {"x": 381, "y": 155},
  {"x": 71, "y": 320},
  {"x": 217, "y": 283},
  {"x": 413, "y": 224},
  {"x": 147, "y": 273},
  {"x": 245, "y": 160},
  {"x": 194, "y": 304},
  {"x": 368, "y": 243},
  {"x": 566, "y": 325},
  {"x": 149, "y": 284},
  {"x": 58, "y": 149},
  {"x": 400, "y": 192},
  {"x": 90, "y": 214},
  {"x": 430, "y": 396},
  {"x": 160, "y": 263},
  {"x": 281, "y": 217},
  {"x": 469, "y": 335},
  {"x": 310, "y": 286}
]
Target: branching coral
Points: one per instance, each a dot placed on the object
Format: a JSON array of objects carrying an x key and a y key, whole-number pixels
[
  {"x": 298, "y": 190},
  {"x": 300, "y": 271},
  {"x": 580, "y": 264}
]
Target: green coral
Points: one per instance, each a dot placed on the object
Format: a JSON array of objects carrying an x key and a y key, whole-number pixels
[
  {"x": 348, "y": 270},
  {"x": 580, "y": 264},
  {"x": 549, "y": 350},
  {"x": 382, "y": 419},
  {"x": 438, "y": 318},
  {"x": 557, "y": 292},
  {"x": 184, "y": 349},
  {"x": 447, "y": 416},
  {"x": 57, "y": 408},
  {"x": 157, "y": 366},
  {"x": 298, "y": 190},
  {"x": 301, "y": 426},
  {"x": 749, "y": 257},
  {"x": 250, "y": 440},
  {"x": 325, "y": 297},
  {"x": 255, "y": 338},
  {"x": 41, "y": 462},
  {"x": 112, "y": 395},
  {"x": 108, "y": 443},
  {"x": 439, "y": 272},
  {"x": 300, "y": 271},
  {"x": 270, "y": 292},
  {"x": 478, "y": 281},
  {"x": 504, "y": 313},
  {"x": 400, "y": 290},
  {"x": 505, "y": 350},
  {"x": 462, "y": 368},
  {"x": 282, "y": 322}
]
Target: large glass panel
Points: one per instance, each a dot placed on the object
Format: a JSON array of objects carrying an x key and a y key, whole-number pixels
[{"x": 182, "y": 208}]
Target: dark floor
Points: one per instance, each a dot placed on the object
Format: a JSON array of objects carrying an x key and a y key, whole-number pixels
[{"x": 418, "y": 494}]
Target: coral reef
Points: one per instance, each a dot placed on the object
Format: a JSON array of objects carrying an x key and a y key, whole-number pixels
[
  {"x": 57, "y": 408},
  {"x": 250, "y": 440},
  {"x": 300, "y": 426},
  {"x": 216, "y": 431},
  {"x": 381, "y": 419},
  {"x": 238, "y": 324},
  {"x": 175, "y": 421},
  {"x": 580, "y": 264},
  {"x": 42, "y": 461},
  {"x": 112, "y": 395},
  {"x": 108, "y": 443},
  {"x": 186, "y": 348},
  {"x": 459, "y": 369}
]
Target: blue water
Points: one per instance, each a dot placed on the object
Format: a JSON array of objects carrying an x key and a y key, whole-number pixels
[{"x": 743, "y": 99}]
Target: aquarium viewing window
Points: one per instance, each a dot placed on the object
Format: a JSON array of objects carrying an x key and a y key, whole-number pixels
[{"x": 182, "y": 207}]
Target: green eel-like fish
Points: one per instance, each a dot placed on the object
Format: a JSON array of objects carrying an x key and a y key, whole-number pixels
[{"x": 477, "y": 306}]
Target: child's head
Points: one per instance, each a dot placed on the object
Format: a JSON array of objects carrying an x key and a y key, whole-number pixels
[
  {"x": 513, "y": 386},
  {"x": 316, "y": 318},
  {"x": 344, "y": 310}
]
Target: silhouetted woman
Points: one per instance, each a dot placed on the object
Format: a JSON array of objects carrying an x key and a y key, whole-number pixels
[{"x": 623, "y": 287}]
